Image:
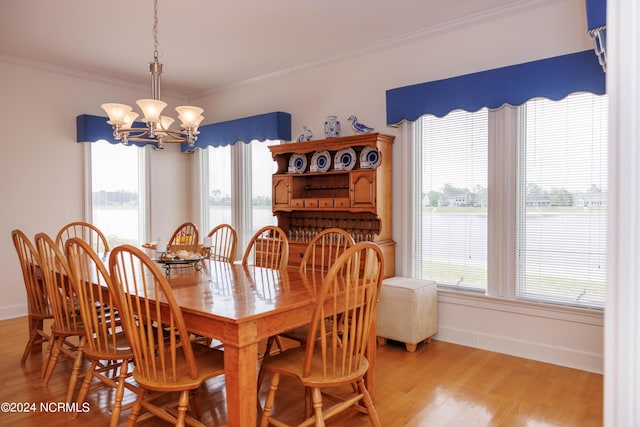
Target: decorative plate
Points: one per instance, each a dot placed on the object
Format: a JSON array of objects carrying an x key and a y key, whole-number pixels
[
  {"x": 369, "y": 158},
  {"x": 320, "y": 161},
  {"x": 345, "y": 159},
  {"x": 297, "y": 163}
]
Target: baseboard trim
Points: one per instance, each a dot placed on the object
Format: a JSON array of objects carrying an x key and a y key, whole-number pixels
[
  {"x": 563, "y": 356},
  {"x": 13, "y": 311}
]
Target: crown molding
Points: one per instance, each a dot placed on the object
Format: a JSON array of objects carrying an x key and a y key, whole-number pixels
[{"x": 452, "y": 25}]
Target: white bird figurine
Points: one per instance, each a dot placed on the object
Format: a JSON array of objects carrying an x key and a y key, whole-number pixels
[
  {"x": 306, "y": 135},
  {"x": 359, "y": 127}
]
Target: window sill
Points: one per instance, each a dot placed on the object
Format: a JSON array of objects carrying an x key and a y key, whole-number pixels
[{"x": 571, "y": 314}]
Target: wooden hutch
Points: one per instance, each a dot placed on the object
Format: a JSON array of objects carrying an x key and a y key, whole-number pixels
[{"x": 356, "y": 200}]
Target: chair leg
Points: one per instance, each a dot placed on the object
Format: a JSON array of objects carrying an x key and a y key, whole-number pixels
[
  {"x": 82, "y": 394},
  {"x": 183, "y": 405},
  {"x": 53, "y": 359},
  {"x": 368, "y": 403},
  {"x": 75, "y": 371},
  {"x": 46, "y": 358},
  {"x": 135, "y": 411},
  {"x": 308, "y": 402},
  {"x": 117, "y": 404},
  {"x": 34, "y": 326},
  {"x": 317, "y": 406},
  {"x": 195, "y": 400},
  {"x": 267, "y": 352},
  {"x": 268, "y": 404}
]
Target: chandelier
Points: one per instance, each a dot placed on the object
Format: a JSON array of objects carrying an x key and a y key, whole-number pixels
[{"x": 157, "y": 127}]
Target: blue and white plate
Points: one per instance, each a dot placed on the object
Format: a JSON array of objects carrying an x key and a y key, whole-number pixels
[
  {"x": 297, "y": 163},
  {"x": 345, "y": 159},
  {"x": 369, "y": 158},
  {"x": 320, "y": 161}
]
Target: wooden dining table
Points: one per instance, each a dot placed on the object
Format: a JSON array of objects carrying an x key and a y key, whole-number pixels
[{"x": 241, "y": 306}]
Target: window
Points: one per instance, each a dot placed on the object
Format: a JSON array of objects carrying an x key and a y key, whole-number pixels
[
  {"x": 562, "y": 215},
  {"x": 262, "y": 167},
  {"x": 117, "y": 192},
  {"x": 452, "y": 163},
  {"x": 219, "y": 197},
  {"x": 542, "y": 238},
  {"x": 238, "y": 187}
]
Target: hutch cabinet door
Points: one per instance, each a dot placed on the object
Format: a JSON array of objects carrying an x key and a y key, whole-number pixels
[
  {"x": 281, "y": 192},
  {"x": 363, "y": 189}
]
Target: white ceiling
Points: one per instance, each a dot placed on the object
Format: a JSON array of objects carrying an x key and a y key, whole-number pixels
[{"x": 207, "y": 44}]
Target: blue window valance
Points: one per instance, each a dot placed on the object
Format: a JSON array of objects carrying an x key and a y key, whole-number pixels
[
  {"x": 553, "y": 78},
  {"x": 272, "y": 126},
  {"x": 597, "y": 28},
  {"x": 95, "y": 128},
  {"x": 596, "y": 14},
  {"x": 261, "y": 127}
]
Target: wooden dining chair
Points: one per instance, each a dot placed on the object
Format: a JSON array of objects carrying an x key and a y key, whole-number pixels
[
  {"x": 224, "y": 240},
  {"x": 67, "y": 322},
  {"x": 331, "y": 358},
  {"x": 185, "y": 237},
  {"x": 106, "y": 345},
  {"x": 321, "y": 253},
  {"x": 85, "y": 231},
  {"x": 269, "y": 248},
  {"x": 153, "y": 323},
  {"x": 38, "y": 307}
]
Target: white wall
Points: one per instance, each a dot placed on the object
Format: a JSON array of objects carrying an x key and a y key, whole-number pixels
[
  {"x": 41, "y": 174},
  {"x": 357, "y": 86},
  {"x": 41, "y": 165}
]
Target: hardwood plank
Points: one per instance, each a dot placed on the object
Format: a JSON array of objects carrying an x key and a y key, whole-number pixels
[{"x": 441, "y": 384}]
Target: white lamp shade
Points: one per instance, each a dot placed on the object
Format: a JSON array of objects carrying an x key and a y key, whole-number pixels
[
  {"x": 198, "y": 120},
  {"x": 117, "y": 112},
  {"x": 190, "y": 115},
  {"x": 129, "y": 119},
  {"x": 166, "y": 122},
  {"x": 151, "y": 108}
]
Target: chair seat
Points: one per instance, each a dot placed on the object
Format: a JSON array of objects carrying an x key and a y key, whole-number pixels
[
  {"x": 210, "y": 363},
  {"x": 122, "y": 349},
  {"x": 291, "y": 362}
]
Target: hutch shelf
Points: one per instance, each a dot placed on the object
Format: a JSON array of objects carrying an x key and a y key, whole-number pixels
[{"x": 356, "y": 200}]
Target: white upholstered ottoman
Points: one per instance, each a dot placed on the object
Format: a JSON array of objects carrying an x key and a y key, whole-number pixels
[{"x": 407, "y": 311}]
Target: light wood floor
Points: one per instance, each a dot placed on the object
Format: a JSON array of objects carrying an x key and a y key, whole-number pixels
[{"x": 441, "y": 384}]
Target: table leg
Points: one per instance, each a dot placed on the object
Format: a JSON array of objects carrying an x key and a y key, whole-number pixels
[{"x": 241, "y": 364}]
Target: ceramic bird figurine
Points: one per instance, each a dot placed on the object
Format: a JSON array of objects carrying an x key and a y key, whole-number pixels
[
  {"x": 359, "y": 127},
  {"x": 305, "y": 135}
]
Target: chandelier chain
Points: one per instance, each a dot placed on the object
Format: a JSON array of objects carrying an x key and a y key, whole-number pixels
[{"x": 155, "y": 29}]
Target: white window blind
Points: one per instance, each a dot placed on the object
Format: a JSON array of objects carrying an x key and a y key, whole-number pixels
[
  {"x": 452, "y": 219},
  {"x": 562, "y": 214}
]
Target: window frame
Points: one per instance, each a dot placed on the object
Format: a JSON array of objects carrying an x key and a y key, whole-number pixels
[
  {"x": 504, "y": 129},
  {"x": 241, "y": 189},
  {"x": 143, "y": 187}
]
